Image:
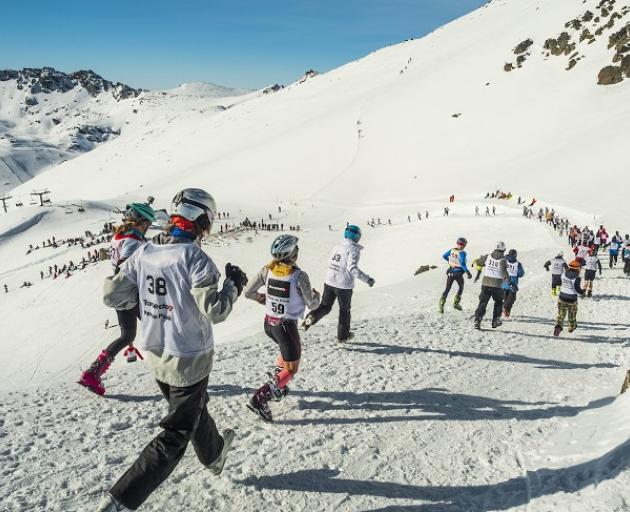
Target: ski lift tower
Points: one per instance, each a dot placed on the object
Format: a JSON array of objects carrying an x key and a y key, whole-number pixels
[
  {"x": 4, "y": 198},
  {"x": 43, "y": 196}
]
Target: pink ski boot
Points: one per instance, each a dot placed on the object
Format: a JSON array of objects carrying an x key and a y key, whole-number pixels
[{"x": 91, "y": 378}]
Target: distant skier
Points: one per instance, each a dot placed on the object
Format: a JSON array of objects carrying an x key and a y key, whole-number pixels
[
  {"x": 515, "y": 271},
  {"x": 287, "y": 294},
  {"x": 494, "y": 275},
  {"x": 446, "y": 211},
  {"x": 494, "y": 210},
  {"x": 567, "y": 301},
  {"x": 456, "y": 259},
  {"x": 558, "y": 266},
  {"x": 476, "y": 210},
  {"x": 178, "y": 287},
  {"x": 128, "y": 237},
  {"x": 343, "y": 268},
  {"x": 487, "y": 211},
  {"x": 591, "y": 265}
]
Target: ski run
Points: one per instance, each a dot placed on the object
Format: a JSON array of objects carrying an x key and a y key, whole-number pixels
[{"x": 419, "y": 401}]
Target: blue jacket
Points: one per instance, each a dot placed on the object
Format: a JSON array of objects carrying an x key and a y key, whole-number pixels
[
  {"x": 512, "y": 281},
  {"x": 462, "y": 261}
]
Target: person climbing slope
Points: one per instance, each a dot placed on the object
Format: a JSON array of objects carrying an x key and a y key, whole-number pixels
[
  {"x": 494, "y": 275},
  {"x": 591, "y": 265},
  {"x": 568, "y": 299},
  {"x": 128, "y": 237},
  {"x": 456, "y": 259},
  {"x": 557, "y": 265},
  {"x": 515, "y": 271},
  {"x": 287, "y": 294}
]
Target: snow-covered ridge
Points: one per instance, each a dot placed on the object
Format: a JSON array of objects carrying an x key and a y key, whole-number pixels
[
  {"x": 417, "y": 119},
  {"x": 47, "y": 80},
  {"x": 48, "y": 117}
]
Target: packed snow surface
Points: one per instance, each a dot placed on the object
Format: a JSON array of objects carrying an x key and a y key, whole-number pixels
[{"x": 419, "y": 412}]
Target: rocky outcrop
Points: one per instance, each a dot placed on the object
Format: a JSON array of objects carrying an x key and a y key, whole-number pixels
[
  {"x": 273, "y": 88},
  {"x": 87, "y": 137},
  {"x": 560, "y": 46},
  {"x": 46, "y": 80},
  {"x": 584, "y": 30},
  {"x": 610, "y": 75}
]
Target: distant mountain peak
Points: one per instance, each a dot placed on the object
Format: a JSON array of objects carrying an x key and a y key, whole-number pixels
[{"x": 47, "y": 79}]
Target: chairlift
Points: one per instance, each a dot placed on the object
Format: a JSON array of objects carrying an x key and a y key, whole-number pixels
[
  {"x": 80, "y": 209},
  {"x": 19, "y": 203}
]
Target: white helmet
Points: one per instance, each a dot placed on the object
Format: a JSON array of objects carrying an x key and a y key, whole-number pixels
[
  {"x": 195, "y": 205},
  {"x": 560, "y": 254},
  {"x": 285, "y": 248},
  {"x": 500, "y": 246}
]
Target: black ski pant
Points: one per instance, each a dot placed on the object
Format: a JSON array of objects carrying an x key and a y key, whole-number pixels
[
  {"x": 613, "y": 259},
  {"x": 328, "y": 299},
  {"x": 187, "y": 420},
  {"x": 626, "y": 266},
  {"x": 509, "y": 300},
  {"x": 487, "y": 293},
  {"x": 454, "y": 278},
  {"x": 128, "y": 322}
]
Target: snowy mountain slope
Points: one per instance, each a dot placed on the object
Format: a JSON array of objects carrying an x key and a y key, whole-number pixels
[
  {"x": 383, "y": 126},
  {"x": 419, "y": 412},
  {"x": 47, "y": 117}
]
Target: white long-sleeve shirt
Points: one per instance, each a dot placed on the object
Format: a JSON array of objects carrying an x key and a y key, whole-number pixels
[{"x": 343, "y": 266}]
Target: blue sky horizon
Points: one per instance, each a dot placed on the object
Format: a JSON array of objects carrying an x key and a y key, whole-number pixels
[{"x": 160, "y": 44}]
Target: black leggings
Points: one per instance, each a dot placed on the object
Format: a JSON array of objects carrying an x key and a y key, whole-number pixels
[
  {"x": 287, "y": 337},
  {"x": 128, "y": 322},
  {"x": 454, "y": 278}
]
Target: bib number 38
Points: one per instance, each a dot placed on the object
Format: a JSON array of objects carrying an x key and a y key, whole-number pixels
[{"x": 156, "y": 286}]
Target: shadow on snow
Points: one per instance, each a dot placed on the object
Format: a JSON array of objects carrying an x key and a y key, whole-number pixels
[{"x": 504, "y": 495}]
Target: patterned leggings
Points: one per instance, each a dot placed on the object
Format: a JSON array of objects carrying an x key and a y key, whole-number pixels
[{"x": 569, "y": 308}]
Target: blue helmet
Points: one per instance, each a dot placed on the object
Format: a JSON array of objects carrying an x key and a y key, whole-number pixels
[{"x": 353, "y": 233}]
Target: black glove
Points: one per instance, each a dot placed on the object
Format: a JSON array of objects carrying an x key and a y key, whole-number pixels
[
  {"x": 370, "y": 282},
  {"x": 237, "y": 276},
  {"x": 468, "y": 274}
]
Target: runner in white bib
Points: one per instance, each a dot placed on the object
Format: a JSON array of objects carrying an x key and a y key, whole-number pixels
[{"x": 287, "y": 294}]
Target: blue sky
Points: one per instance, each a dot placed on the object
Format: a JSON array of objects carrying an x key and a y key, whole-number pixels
[{"x": 243, "y": 43}]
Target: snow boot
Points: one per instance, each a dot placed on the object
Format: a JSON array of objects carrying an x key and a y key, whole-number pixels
[
  {"x": 496, "y": 323},
  {"x": 350, "y": 336},
  {"x": 441, "y": 304},
  {"x": 258, "y": 403},
  {"x": 282, "y": 392},
  {"x": 589, "y": 293},
  {"x": 457, "y": 303},
  {"x": 477, "y": 324},
  {"x": 110, "y": 504},
  {"x": 557, "y": 330},
  {"x": 571, "y": 329},
  {"x": 506, "y": 313},
  {"x": 91, "y": 378},
  {"x": 217, "y": 466},
  {"x": 626, "y": 383},
  {"x": 554, "y": 292}
]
